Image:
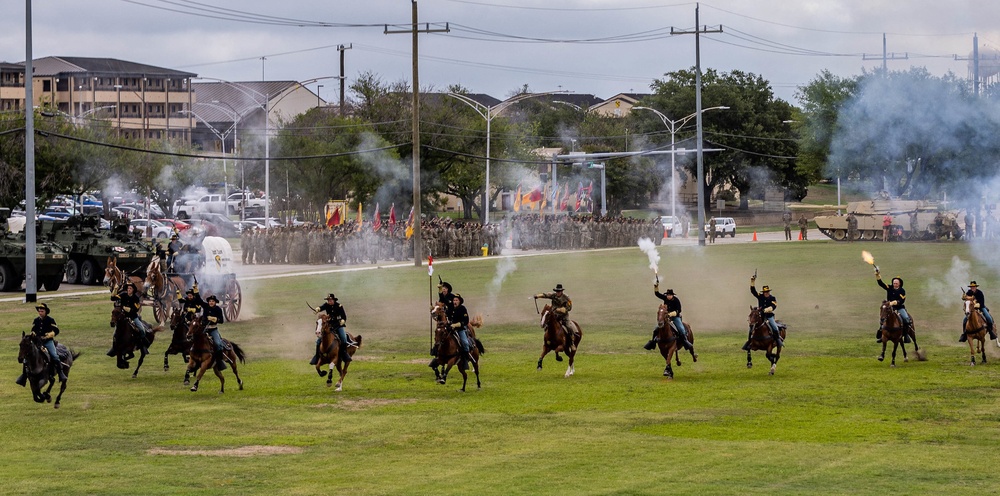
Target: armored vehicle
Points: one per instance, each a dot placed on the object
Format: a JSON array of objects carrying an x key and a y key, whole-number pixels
[
  {"x": 89, "y": 248},
  {"x": 912, "y": 220},
  {"x": 50, "y": 259}
]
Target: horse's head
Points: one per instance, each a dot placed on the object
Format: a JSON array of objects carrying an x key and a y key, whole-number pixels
[
  {"x": 110, "y": 270},
  {"x": 154, "y": 278},
  {"x": 195, "y": 328},
  {"x": 756, "y": 317},
  {"x": 116, "y": 314},
  {"x": 322, "y": 324},
  {"x": 30, "y": 350},
  {"x": 968, "y": 307},
  {"x": 546, "y": 316},
  {"x": 661, "y": 316},
  {"x": 439, "y": 313}
]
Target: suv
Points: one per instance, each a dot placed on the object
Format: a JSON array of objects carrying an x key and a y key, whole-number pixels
[
  {"x": 724, "y": 226},
  {"x": 671, "y": 225}
]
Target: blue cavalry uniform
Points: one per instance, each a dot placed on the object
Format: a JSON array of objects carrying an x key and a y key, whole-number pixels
[
  {"x": 767, "y": 303},
  {"x": 338, "y": 321},
  {"x": 673, "y": 304},
  {"x": 980, "y": 304},
  {"x": 45, "y": 328},
  {"x": 192, "y": 303},
  {"x": 131, "y": 302},
  {"x": 458, "y": 316},
  {"x": 212, "y": 316},
  {"x": 896, "y": 296}
]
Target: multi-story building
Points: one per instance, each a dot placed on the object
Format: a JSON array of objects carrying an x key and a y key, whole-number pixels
[{"x": 11, "y": 87}]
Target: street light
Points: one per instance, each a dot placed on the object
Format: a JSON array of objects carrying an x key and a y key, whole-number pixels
[
  {"x": 318, "y": 86},
  {"x": 673, "y": 125},
  {"x": 222, "y": 137},
  {"x": 489, "y": 112}
]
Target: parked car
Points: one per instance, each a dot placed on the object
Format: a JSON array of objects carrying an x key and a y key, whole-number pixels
[
  {"x": 274, "y": 222},
  {"x": 671, "y": 225},
  {"x": 157, "y": 230},
  {"x": 244, "y": 225},
  {"x": 205, "y": 226},
  {"x": 124, "y": 212},
  {"x": 155, "y": 212},
  {"x": 179, "y": 226},
  {"x": 724, "y": 226}
]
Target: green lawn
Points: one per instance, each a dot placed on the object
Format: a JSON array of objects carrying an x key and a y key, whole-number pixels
[{"x": 833, "y": 420}]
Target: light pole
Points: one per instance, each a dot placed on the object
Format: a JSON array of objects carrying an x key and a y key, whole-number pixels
[
  {"x": 318, "y": 86},
  {"x": 673, "y": 126},
  {"x": 489, "y": 112},
  {"x": 222, "y": 137}
]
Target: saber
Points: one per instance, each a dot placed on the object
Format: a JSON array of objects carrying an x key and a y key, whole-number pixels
[
  {"x": 536, "y": 306},
  {"x": 311, "y": 307}
]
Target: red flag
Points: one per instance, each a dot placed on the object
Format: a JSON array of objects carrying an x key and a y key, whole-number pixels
[
  {"x": 376, "y": 220},
  {"x": 392, "y": 217},
  {"x": 535, "y": 195},
  {"x": 579, "y": 196},
  {"x": 335, "y": 218},
  {"x": 430, "y": 265},
  {"x": 565, "y": 197}
]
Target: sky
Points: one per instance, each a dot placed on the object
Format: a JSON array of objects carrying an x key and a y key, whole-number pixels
[{"x": 601, "y": 47}]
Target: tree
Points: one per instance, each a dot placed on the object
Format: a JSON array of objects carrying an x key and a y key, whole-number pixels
[{"x": 821, "y": 99}]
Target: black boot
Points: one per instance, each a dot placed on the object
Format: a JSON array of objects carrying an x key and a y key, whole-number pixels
[
  {"x": 652, "y": 342},
  {"x": 434, "y": 350},
  {"x": 344, "y": 356},
  {"x": 22, "y": 380},
  {"x": 906, "y": 335},
  {"x": 878, "y": 336},
  {"x": 219, "y": 361},
  {"x": 315, "y": 358},
  {"x": 963, "y": 338},
  {"x": 61, "y": 370},
  {"x": 993, "y": 334}
]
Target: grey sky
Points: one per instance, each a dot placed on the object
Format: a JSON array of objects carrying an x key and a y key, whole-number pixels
[{"x": 496, "y": 46}]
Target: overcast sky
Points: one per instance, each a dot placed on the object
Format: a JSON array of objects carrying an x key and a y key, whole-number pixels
[{"x": 602, "y": 47}]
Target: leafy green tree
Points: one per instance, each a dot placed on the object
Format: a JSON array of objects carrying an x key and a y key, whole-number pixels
[{"x": 822, "y": 100}]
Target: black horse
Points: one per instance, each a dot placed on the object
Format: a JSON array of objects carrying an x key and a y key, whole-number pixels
[
  {"x": 128, "y": 339},
  {"x": 37, "y": 365},
  {"x": 179, "y": 341}
]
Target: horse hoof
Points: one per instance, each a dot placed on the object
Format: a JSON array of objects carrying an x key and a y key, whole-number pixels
[
  {"x": 339, "y": 388},
  {"x": 322, "y": 373},
  {"x": 166, "y": 369},
  {"x": 539, "y": 369},
  {"x": 241, "y": 386},
  {"x": 892, "y": 365},
  {"x": 558, "y": 358},
  {"x": 881, "y": 358},
  {"x": 56, "y": 406},
  {"x": 194, "y": 389},
  {"x": 906, "y": 359},
  {"x": 749, "y": 365},
  {"x": 771, "y": 372},
  {"x": 187, "y": 383}
]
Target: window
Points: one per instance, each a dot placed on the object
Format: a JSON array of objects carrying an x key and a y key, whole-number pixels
[{"x": 46, "y": 85}]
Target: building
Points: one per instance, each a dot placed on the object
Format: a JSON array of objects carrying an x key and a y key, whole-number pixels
[
  {"x": 11, "y": 87},
  {"x": 619, "y": 105}
]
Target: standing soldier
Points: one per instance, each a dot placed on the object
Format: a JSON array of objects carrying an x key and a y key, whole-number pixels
[
  {"x": 970, "y": 223},
  {"x": 803, "y": 227},
  {"x": 711, "y": 230},
  {"x": 886, "y": 227},
  {"x": 786, "y": 218},
  {"x": 852, "y": 227},
  {"x": 172, "y": 249},
  {"x": 914, "y": 226}
]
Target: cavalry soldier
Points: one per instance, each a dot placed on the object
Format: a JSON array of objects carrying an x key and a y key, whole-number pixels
[
  {"x": 458, "y": 317},
  {"x": 767, "y": 303},
  {"x": 173, "y": 247},
  {"x": 192, "y": 303},
  {"x": 980, "y": 303},
  {"x": 46, "y": 329},
  {"x": 131, "y": 303},
  {"x": 212, "y": 316},
  {"x": 674, "y": 313},
  {"x": 896, "y": 296},
  {"x": 444, "y": 292},
  {"x": 561, "y": 306},
  {"x": 886, "y": 227},
  {"x": 338, "y": 321}
]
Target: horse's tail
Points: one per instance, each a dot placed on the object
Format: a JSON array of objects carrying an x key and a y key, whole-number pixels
[
  {"x": 75, "y": 354},
  {"x": 357, "y": 340},
  {"x": 239, "y": 352},
  {"x": 479, "y": 346}
]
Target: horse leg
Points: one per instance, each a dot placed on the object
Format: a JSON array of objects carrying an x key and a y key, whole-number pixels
[
  {"x": 199, "y": 375},
  {"x": 881, "y": 357},
  {"x": 222, "y": 379},
  {"x": 545, "y": 351},
  {"x": 569, "y": 368},
  {"x": 774, "y": 363},
  {"x": 902, "y": 346},
  {"x": 772, "y": 357},
  {"x": 62, "y": 389},
  {"x": 749, "y": 360},
  {"x": 166, "y": 365},
  {"x": 236, "y": 372},
  {"x": 475, "y": 368},
  {"x": 342, "y": 368},
  {"x": 972, "y": 353},
  {"x": 895, "y": 344},
  {"x": 142, "y": 356}
]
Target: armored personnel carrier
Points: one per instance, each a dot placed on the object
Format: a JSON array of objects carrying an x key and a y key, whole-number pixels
[
  {"x": 89, "y": 248},
  {"x": 50, "y": 259},
  {"x": 912, "y": 220}
]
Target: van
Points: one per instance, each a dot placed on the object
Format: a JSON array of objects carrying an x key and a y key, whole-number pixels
[{"x": 724, "y": 226}]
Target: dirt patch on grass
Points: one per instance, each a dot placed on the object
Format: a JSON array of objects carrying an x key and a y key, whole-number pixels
[
  {"x": 242, "y": 451},
  {"x": 355, "y": 405}
]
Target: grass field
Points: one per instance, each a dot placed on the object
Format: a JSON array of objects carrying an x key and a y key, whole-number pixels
[{"x": 833, "y": 420}]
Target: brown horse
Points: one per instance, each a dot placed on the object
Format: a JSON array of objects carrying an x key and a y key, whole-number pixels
[
  {"x": 127, "y": 339},
  {"x": 975, "y": 330},
  {"x": 179, "y": 342},
  {"x": 894, "y": 330},
  {"x": 329, "y": 351},
  {"x": 163, "y": 290},
  {"x": 36, "y": 360},
  {"x": 448, "y": 351},
  {"x": 761, "y": 338},
  {"x": 667, "y": 339},
  {"x": 115, "y": 278},
  {"x": 203, "y": 356},
  {"x": 554, "y": 339}
]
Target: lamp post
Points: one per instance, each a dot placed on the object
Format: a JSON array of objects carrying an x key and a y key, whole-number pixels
[
  {"x": 222, "y": 137},
  {"x": 673, "y": 126},
  {"x": 318, "y": 100},
  {"x": 489, "y": 112}
]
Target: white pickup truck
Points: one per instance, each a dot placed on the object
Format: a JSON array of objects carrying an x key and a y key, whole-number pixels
[
  {"x": 186, "y": 207},
  {"x": 239, "y": 201}
]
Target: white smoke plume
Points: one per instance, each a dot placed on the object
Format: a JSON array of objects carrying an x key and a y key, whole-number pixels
[
  {"x": 505, "y": 266},
  {"x": 649, "y": 248},
  {"x": 952, "y": 283}
]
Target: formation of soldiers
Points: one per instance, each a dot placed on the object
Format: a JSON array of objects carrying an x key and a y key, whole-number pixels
[
  {"x": 340, "y": 245},
  {"x": 535, "y": 232}
]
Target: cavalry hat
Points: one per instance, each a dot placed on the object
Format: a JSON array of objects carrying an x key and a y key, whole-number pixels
[
  {"x": 971, "y": 284},
  {"x": 331, "y": 297},
  {"x": 461, "y": 300},
  {"x": 900, "y": 279},
  {"x": 445, "y": 285},
  {"x": 558, "y": 287},
  {"x": 765, "y": 289},
  {"x": 670, "y": 292},
  {"x": 189, "y": 292},
  {"x": 132, "y": 285},
  {"x": 42, "y": 306},
  {"x": 173, "y": 236},
  {"x": 212, "y": 298}
]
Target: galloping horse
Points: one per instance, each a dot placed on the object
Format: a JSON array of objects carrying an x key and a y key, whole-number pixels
[
  {"x": 179, "y": 342},
  {"x": 975, "y": 330},
  {"x": 894, "y": 330},
  {"x": 329, "y": 348},
  {"x": 555, "y": 339},
  {"x": 203, "y": 356},
  {"x": 127, "y": 339},
  {"x": 761, "y": 338},
  {"x": 449, "y": 350},
  {"x": 668, "y": 340},
  {"x": 36, "y": 359},
  {"x": 163, "y": 289}
]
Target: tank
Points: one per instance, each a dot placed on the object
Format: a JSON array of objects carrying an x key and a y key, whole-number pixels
[
  {"x": 89, "y": 248},
  {"x": 50, "y": 260},
  {"x": 912, "y": 220}
]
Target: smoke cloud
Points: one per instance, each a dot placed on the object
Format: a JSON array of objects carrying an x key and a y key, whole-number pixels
[{"x": 649, "y": 248}]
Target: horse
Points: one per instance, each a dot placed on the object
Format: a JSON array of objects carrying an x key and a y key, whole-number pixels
[
  {"x": 202, "y": 356},
  {"x": 162, "y": 289},
  {"x": 668, "y": 340},
  {"x": 761, "y": 338},
  {"x": 179, "y": 342},
  {"x": 115, "y": 278},
  {"x": 329, "y": 348},
  {"x": 36, "y": 360},
  {"x": 127, "y": 340},
  {"x": 448, "y": 350},
  {"x": 554, "y": 339},
  {"x": 975, "y": 330},
  {"x": 894, "y": 330}
]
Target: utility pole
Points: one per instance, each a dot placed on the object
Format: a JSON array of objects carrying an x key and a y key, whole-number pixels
[
  {"x": 342, "y": 49},
  {"x": 415, "y": 31},
  {"x": 976, "y": 58},
  {"x": 698, "y": 31},
  {"x": 30, "y": 262},
  {"x": 885, "y": 57}
]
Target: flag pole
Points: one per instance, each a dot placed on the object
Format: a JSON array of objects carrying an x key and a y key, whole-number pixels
[{"x": 430, "y": 289}]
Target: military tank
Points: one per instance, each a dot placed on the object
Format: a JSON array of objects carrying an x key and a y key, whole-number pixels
[
  {"x": 50, "y": 259},
  {"x": 912, "y": 220},
  {"x": 89, "y": 248}
]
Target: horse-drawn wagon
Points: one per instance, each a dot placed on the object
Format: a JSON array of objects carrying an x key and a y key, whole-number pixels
[{"x": 207, "y": 262}]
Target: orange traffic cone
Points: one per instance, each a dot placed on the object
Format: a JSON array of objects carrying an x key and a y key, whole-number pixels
[
  {"x": 755, "y": 235},
  {"x": 800, "y": 235}
]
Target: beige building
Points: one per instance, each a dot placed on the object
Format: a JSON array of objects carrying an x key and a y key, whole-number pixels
[{"x": 11, "y": 87}]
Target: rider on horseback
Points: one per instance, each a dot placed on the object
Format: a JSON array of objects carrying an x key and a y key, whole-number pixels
[
  {"x": 192, "y": 303},
  {"x": 674, "y": 313},
  {"x": 458, "y": 317},
  {"x": 444, "y": 292},
  {"x": 212, "y": 317},
  {"x": 338, "y": 319},
  {"x": 44, "y": 327},
  {"x": 131, "y": 302},
  {"x": 767, "y": 303},
  {"x": 173, "y": 247},
  {"x": 896, "y": 296},
  {"x": 561, "y": 305},
  {"x": 975, "y": 294}
]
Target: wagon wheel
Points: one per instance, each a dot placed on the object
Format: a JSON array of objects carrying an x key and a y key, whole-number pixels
[
  {"x": 161, "y": 312},
  {"x": 232, "y": 301}
]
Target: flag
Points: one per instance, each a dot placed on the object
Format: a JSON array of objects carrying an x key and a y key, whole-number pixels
[
  {"x": 565, "y": 197},
  {"x": 376, "y": 220},
  {"x": 335, "y": 218},
  {"x": 545, "y": 197},
  {"x": 517, "y": 199},
  {"x": 361, "y": 220},
  {"x": 409, "y": 224},
  {"x": 590, "y": 198},
  {"x": 430, "y": 265},
  {"x": 579, "y": 196},
  {"x": 392, "y": 217}
]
